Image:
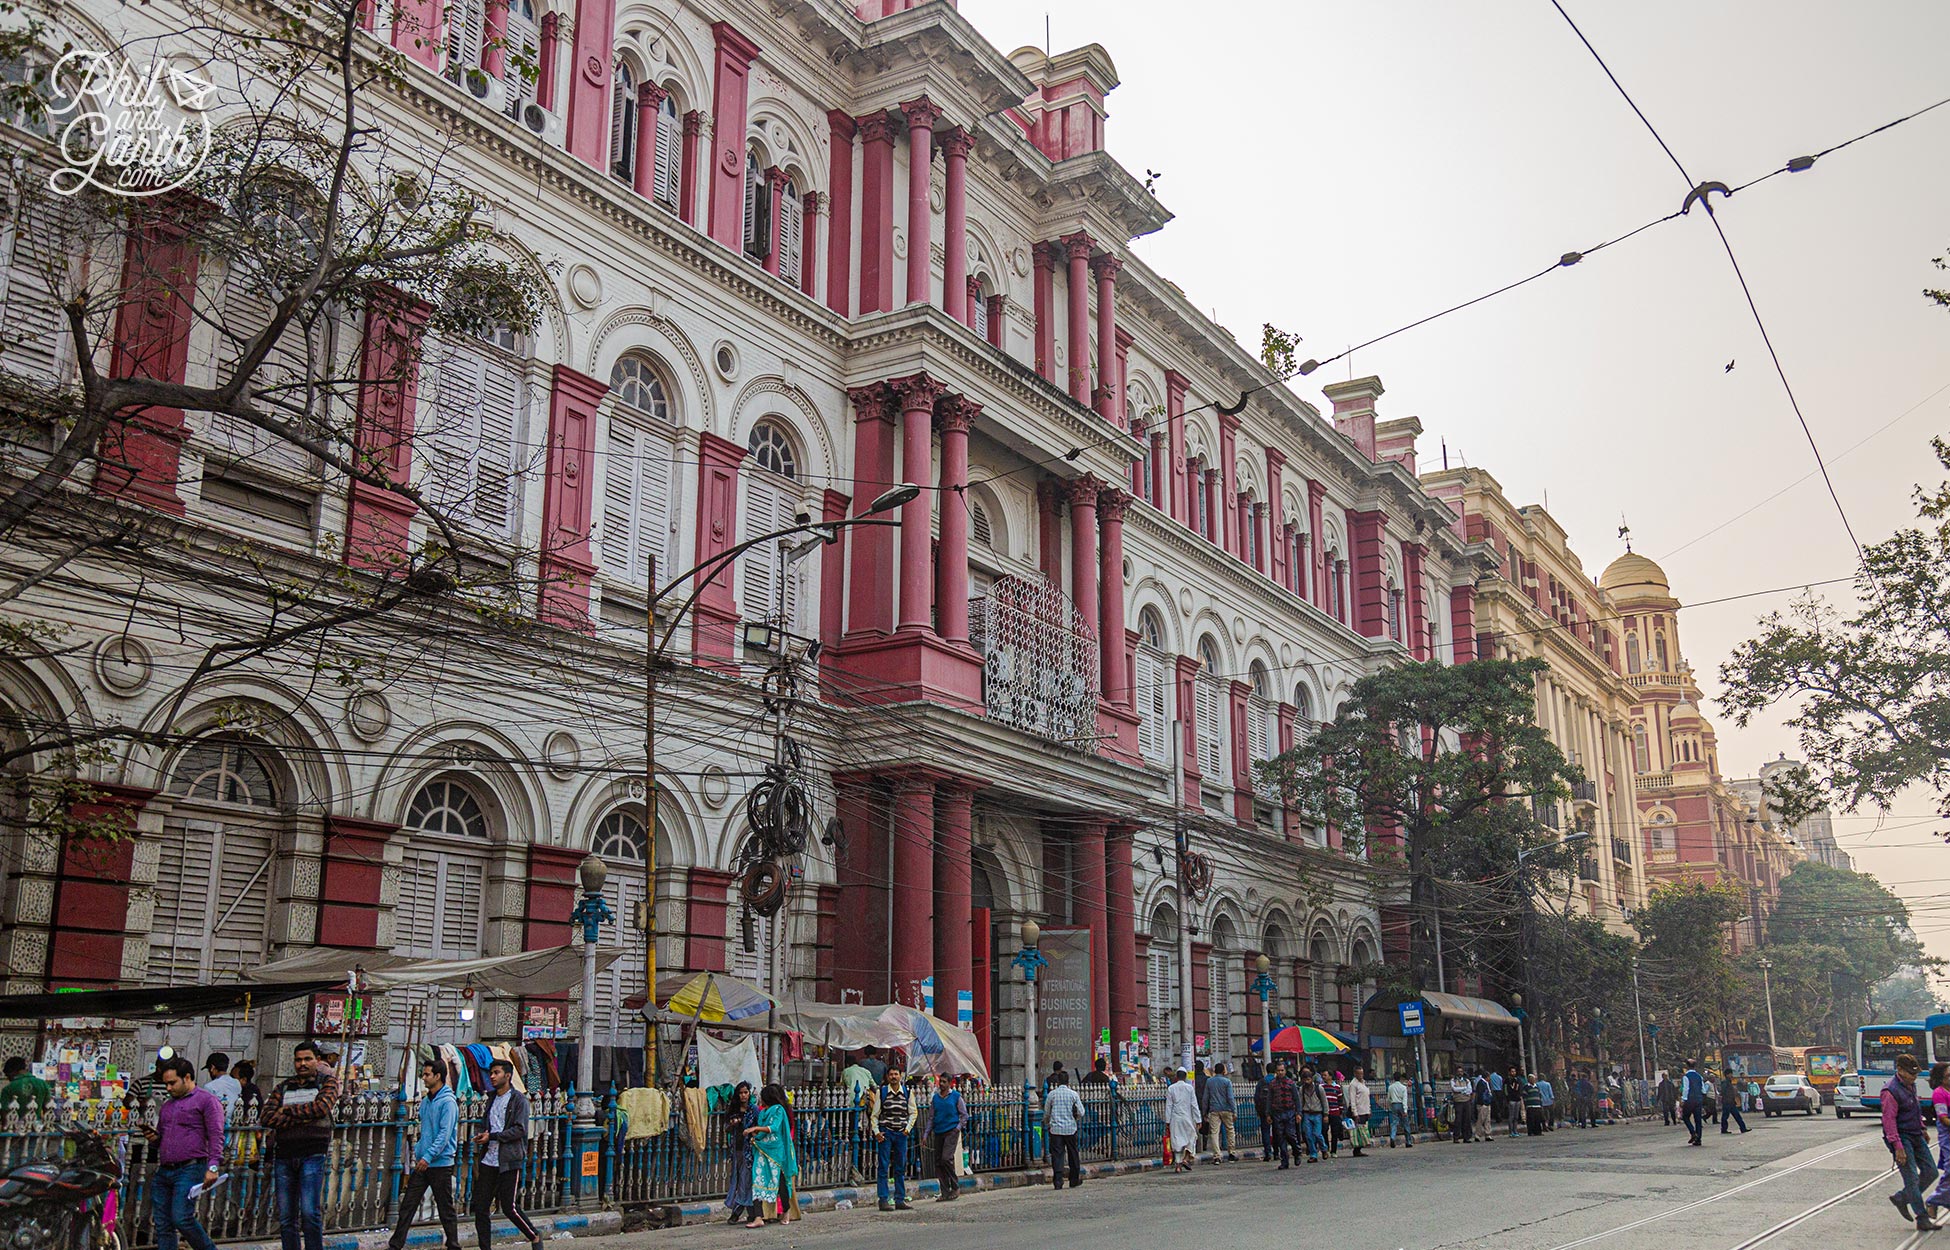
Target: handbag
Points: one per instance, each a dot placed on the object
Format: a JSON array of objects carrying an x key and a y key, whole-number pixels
[{"x": 1362, "y": 1136}]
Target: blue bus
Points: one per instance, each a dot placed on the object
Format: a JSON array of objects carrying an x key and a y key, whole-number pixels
[{"x": 1876, "y": 1048}]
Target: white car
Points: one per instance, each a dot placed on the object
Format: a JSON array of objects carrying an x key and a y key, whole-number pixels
[
  {"x": 1848, "y": 1096},
  {"x": 1790, "y": 1091}
]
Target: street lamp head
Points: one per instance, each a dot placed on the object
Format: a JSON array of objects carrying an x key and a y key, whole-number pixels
[
  {"x": 1032, "y": 933},
  {"x": 905, "y": 493},
  {"x": 1263, "y": 964},
  {"x": 593, "y": 872}
]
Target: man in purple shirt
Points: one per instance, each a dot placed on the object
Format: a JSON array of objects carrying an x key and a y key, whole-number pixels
[{"x": 188, "y": 1139}]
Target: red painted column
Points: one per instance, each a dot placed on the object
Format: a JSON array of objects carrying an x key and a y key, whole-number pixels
[
  {"x": 494, "y": 38},
  {"x": 1462, "y": 622},
  {"x": 839, "y": 230},
  {"x": 832, "y": 572},
  {"x": 861, "y": 947},
  {"x": 955, "y": 414},
  {"x": 349, "y": 882},
  {"x": 1109, "y": 392},
  {"x": 377, "y": 519},
  {"x": 1188, "y": 666},
  {"x": 1316, "y": 502},
  {"x": 90, "y": 910},
  {"x": 568, "y": 499},
  {"x": 871, "y": 588},
  {"x": 705, "y": 913},
  {"x": 417, "y": 29},
  {"x": 1416, "y": 592},
  {"x": 1242, "y": 760},
  {"x": 1116, "y": 678},
  {"x": 876, "y": 213},
  {"x": 808, "y": 277},
  {"x": 998, "y": 319},
  {"x": 1092, "y": 913},
  {"x": 730, "y": 95},
  {"x": 687, "y": 176},
  {"x": 590, "y": 59},
  {"x": 921, "y": 117},
  {"x": 545, "y": 76},
  {"x": 1121, "y": 925},
  {"x": 1084, "y": 566},
  {"x": 913, "y": 936},
  {"x": 917, "y": 394},
  {"x": 1176, "y": 384},
  {"x": 649, "y": 99},
  {"x": 1126, "y": 419},
  {"x": 552, "y": 890},
  {"x": 141, "y": 453},
  {"x": 1045, "y": 262},
  {"x": 1049, "y": 529},
  {"x": 1276, "y": 514},
  {"x": 1160, "y": 473},
  {"x": 775, "y": 189},
  {"x": 1232, "y": 530},
  {"x": 954, "y": 225},
  {"x": 1077, "y": 248},
  {"x": 1370, "y": 606},
  {"x": 716, "y": 617},
  {"x": 954, "y": 817},
  {"x": 972, "y": 297}
]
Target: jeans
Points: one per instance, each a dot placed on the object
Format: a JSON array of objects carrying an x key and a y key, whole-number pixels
[
  {"x": 1665, "y": 1109},
  {"x": 1313, "y": 1124},
  {"x": 891, "y": 1151},
  {"x": 1063, "y": 1153},
  {"x": 300, "y": 1187},
  {"x": 1398, "y": 1122},
  {"x": 1918, "y": 1171},
  {"x": 440, "y": 1183},
  {"x": 171, "y": 1209},
  {"x": 1727, "y": 1109},
  {"x": 1267, "y": 1133},
  {"x": 1286, "y": 1132},
  {"x": 1221, "y": 1128},
  {"x": 1689, "y": 1115}
]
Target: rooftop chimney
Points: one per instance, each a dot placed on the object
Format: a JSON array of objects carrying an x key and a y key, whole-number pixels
[
  {"x": 1064, "y": 116},
  {"x": 1354, "y": 410}
]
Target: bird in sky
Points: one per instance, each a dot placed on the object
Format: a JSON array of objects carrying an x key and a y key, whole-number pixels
[{"x": 1729, "y": 368}]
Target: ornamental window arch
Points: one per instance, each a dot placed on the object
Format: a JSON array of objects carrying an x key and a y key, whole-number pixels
[
  {"x": 638, "y": 470},
  {"x": 772, "y": 586},
  {"x": 451, "y": 821}
]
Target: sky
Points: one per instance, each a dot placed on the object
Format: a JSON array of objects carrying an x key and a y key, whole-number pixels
[{"x": 1343, "y": 169}]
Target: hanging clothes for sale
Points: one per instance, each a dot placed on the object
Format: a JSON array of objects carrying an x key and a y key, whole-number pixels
[
  {"x": 697, "y": 1118},
  {"x": 566, "y": 1055},
  {"x": 457, "y": 1071},
  {"x": 647, "y": 1112},
  {"x": 727, "y": 1063},
  {"x": 545, "y": 1048},
  {"x": 792, "y": 1047}
]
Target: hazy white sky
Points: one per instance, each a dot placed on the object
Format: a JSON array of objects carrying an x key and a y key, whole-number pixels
[{"x": 1342, "y": 169}]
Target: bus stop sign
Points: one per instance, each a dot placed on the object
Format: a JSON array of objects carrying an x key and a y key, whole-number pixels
[{"x": 1412, "y": 1024}]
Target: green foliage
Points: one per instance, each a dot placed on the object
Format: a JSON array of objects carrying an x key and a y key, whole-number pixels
[
  {"x": 1850, "y": 911},
  {"x": 1869, "y": 690},
  {"x": 1690, "y": 984},
  {"x": 1908, "y": 995},
  {"x": 1279, "y": 350}
]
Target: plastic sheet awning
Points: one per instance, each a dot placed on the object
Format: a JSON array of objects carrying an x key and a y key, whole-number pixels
[
  {"x": 555, "y": 970},
  {"x": 933, "y": 1046},
  {"x": 1463, "y": 1007},
  {"x": 158, "y": 1002}
]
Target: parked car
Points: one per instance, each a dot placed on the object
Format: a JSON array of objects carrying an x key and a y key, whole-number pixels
[
  {"x": 1790, "y": 1091},
  {"x": 1848, "y": 1096}
]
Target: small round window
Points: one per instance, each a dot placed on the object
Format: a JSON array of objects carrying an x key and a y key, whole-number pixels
[{"x": 772, "y": 451}]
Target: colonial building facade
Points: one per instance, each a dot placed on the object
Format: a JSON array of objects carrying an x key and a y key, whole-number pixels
[{"x": 796, "y": 252}]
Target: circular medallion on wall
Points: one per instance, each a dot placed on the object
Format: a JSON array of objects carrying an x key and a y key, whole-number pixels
[
  {"x": 123, "y": 664},
  {"x": 1019, "y": 261},
  {"x": 1239, "y": 629},
  {"x": 585, "y": 285},
  {"x": 900, "y": 243},
  {"x": 1286, "y": 655},
  {"x": 634, "y": 788},
  {"x": 368, "y": 715},
  {"x": 562, "y": 753},
  {"x": 1185, "y": 600},
  {"x": 725, "y": 356},
  {"x": 937, "y": 199},
  {"x": 715, "y": 785}
]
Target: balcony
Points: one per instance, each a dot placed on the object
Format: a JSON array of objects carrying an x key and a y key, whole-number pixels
[
  {"x": 1587, "y": 868},
  {"x": 1621, "y": 849},
  {"x": 1646, "y": 681},
  {"x": 1039, "y": 660},
  {"x": 1584, "y": 792},
  {"x": 1653, "y": 783},
  {"x": 1546, "y": 813}
]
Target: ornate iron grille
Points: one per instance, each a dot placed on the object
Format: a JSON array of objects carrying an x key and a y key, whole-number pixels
[{"x": 1039, "y": 659}]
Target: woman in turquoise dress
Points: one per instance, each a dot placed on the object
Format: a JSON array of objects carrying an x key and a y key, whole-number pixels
[{"x": 774, "y": 1162}]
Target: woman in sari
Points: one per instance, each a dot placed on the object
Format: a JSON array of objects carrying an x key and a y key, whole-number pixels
[
  {"x": 774, "y": 1164},
  {"x": 740, "y": 1115}
]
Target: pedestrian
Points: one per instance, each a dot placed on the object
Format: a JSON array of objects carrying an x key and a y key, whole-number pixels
[
  {"x": 1668, "y": 1095},
  {"x": 1263, "y": 1112},
  {"x": 1940, "y": 1113},
  {"x": 1062, "y": 1118},
  {"x": 1100, "y": 1074},
  {"x": 497, "y": 1169},
  {"x": 1533, "y": 1106},
  {"x": 893, "y": 1126},
  {"x": 740, "y": 1113},
  {"x": 1360, "y": 1105},
  {"x": 1692, "y": 1100},
  {"x": 1481, "y": 1093},
  {"x": 857, "y": 1080},
  {"x": 1221, "y": 1119},
  {"x": 876, "y": 1066},
  {"x": 1313, "y": 1111},
  {"x": 1902, "y": 1132},
  {"x": 246, "y": 1074},
  {"x": 774, "y": 1161},
  {"x": 1054, "y": 1070},
  {"x": 1181, "y": 1118},
  {"x": 1398, "y": 1121},
  {"x": 1283, "y": 1112},
  {"x": 433, "y": 1158},
  {"x": 1730, "y": 1105},
  {"x": 1513, "y": 1087},
  {"x": 24, "y": 1091},
  {"x": 1460, "y": 1114},
  {"x": 947, "y": 1112},
  {"x": 1549, "y": 1098},
  {"x": 188, "y": 1139},
  {"x": 222, "y": 1086},
  {"x": 299, "y": 1115},
  {"x": 1584, "y": 1100},
  {"x": 1499, "y": 1101},
  {"x": 1334, "y": 1120}
]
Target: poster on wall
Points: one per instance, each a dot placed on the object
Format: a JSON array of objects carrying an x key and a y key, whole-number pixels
[
  {"x": 1063, "y": 1002},
  {"x": 544, "y": 1021},
  {"x": 329, "y": 1016}
]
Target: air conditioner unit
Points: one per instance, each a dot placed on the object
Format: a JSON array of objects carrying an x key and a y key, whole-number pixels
[{"x": 540, "y": 121}]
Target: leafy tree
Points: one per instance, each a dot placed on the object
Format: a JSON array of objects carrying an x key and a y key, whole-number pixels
[
  {"x": 1445, "y": 767},
  {"x": 1851, "y": 912},
  {"x": 1690, "y": 980},
  {"x": 1583, "y": 972},
  {"x": 1908, "y": 995}
]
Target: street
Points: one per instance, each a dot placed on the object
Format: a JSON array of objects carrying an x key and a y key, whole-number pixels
[{"x": 1620, "y": 1187}]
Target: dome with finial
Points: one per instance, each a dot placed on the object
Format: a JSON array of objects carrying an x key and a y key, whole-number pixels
[{"x": 1632, "y": 572}]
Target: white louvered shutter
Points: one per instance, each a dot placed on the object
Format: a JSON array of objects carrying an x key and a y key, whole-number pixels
[
  {"x": 793, "y": 212},
  {"x": 1160, "y": 1000},
  {"x": 1210, "y": 729},
  {"x": 981, "y": 311},
  {"x": 33, "y": 341},
  {"x": 668, "y": 149},
  {"x": 615, "y": 1025},
  {"x": 181, "y": 902},
  {"x": 523, "y": 42},
  {"x": 753, "y": 182},
  {"x": 1219, "y": 1006},
  {"x": 494, "y": 456},
  {"x": 447, "y": 428},
  {"x": 769, "y": 506},
  {"x": 636, "y": 502},
  {"x": 466, "y": 31},
  {"x": 622, "y": 97},
  {"x": 246, "y": 310},
  {"x": 237, "y": 926},
  {"x": 1154, "y": 726}
]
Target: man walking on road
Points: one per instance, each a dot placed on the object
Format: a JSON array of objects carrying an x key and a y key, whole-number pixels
[
  {"x": 1513, "y": 1088},
  {"x": 504, "y": 1144},
  {"x": 1398, "y": 1113},
  {"x": 891, "y": 1136},
  {"x": 1461, "y": 1112},
  {"x": 1181, "y": 1120},
  {"x": 1549, "y": 1098},
  {"x": 433, "y": 1159},
  {"x": 1668, "y": 1099},
  {"x": 946, "y": 1114},
  {"x": 1360, "y": 1105},
  {"x": 1283, "y": 1110},
  {"x": 1481, "y": 1093},
  {"x": 1062, "y": 1117},
  {"x": 1902, "y": 1132},
  {"x": 188, "y": 1141},
  {"x": 1692, "y": 1098},
  {"x": 1221, "y": 1116},
  {"x": 1533, "y": 1106},
  {"x": 299, "y": 1115},
  {"x": 1730, "y": 1104}
]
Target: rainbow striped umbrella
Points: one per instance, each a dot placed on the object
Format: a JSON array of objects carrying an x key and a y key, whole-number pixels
[{"x": 1305, "y": 1039}]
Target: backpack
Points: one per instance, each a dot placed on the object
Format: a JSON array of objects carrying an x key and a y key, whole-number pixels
[{"x": 1482, "y": 1091}]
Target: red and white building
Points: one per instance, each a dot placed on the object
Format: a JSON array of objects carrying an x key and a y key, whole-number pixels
[{"x": 798, "y": 251}]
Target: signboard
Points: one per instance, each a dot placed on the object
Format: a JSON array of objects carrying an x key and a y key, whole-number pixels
[
  {"x": 591, "y": 1162},
  {"x": 965, "y": 1008},
  {"x": 927, "y": 995},
  {"x": 1063, "y": 1001},
  {"x": 1412, "y": 1022},
  {"x": 541, "y": 1021},
  {"x": 329, "y": 1012}
]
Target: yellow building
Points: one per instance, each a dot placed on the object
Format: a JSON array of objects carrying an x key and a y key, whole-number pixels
[{"x": 1540, "y": 603}]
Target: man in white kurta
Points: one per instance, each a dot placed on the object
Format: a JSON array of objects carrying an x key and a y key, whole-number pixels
[{"x": 1181, "y": 1114}]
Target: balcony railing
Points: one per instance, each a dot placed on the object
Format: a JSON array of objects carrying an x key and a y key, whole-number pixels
[
  {"x": 1546, "y": 813},
  {"x": 1585, "y": 791},
  {"x": 1039, "y": 659},
  {"x": 1587, "y": 868},
  {"x": 1621, "y": 849},
  {"x": 1653, "y": 782}
]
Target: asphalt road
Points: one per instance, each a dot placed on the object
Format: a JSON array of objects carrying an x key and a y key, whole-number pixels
[{"x": 1616, "y": 1188}]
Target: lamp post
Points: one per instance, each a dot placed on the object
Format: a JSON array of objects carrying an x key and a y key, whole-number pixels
[
  {"x": 1767, "y": 988},
  {"x": 1652, "y": 1032},
  {"x": 703, "y": 574},
  {"x": 1264, "y": 985},
  {"x": 591, "y": 912},
  {"x": 1031, "y": 961},
  {"x": 1523, "y": 1058}
]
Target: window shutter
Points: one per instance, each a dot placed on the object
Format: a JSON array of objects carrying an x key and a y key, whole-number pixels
[
  {"x": 768, "y": 506},
  {"x": 793, "y": 210},
  {"x": 1209, "y": 728},
  {"x": 33, "y": 340},
  {"x": 750, "y": 943},
  {"x": 752, "y": 181},
  {"x": 1256, "y": 735},
  {"x": 180, "y": 905},
  {"x": 494, "y": 458},
  {"x": 981, "y": 314},
  {"x": 1154, "y": 725},
  {"x": 523, "y": 42},
  {"x": 667, "y": 154},
  {"x": 1219, "y": 1008},
  {"x": 1159, "y": 998},
  {"x": 460, "y": 908},
  {"x": 621, "y": 99},
  {"x": 245, "y": 312},
  {"x": 238, "y": 923},
  {"x": 636, "y": 502},
  {"x": 466, "y": 25},
  {"x": 614, "y": 1025}
]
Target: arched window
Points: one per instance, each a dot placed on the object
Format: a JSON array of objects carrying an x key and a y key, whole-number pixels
[
  {"x": 622, "y": 124},
  {"x": 771, "y": 582},
  {"x": 1161, "y": 984},
  {"x": 223, "y": 770},
  {"x": 635, "y": 384},
  {"x": 1210, "y": 712},
  {"x": 1659, "y": 653},
  {"x": 1303, "y": 702},
  {"x": 1631, "y": 653},
  {"x": 636, "y": 473},
  {"x": 980, "y": 532},
  {"x": 772, "y": 450},
  {"x": 1641, "y": 748},
  {"x": 1322, "y": 998},
  {"x": 792, "y": 227},
  {"x": 1153, "y": 689},
  {"x": 1151, "y": 628},
  {"x": 448, "y": 808},
  {"x": 622, "y": 843},
  {"x": 1393, "y": 597},
  {"x": 669, "y": 153},
  {"x": 621, "y": 838},
  {"x": 442, "y": 908},
  {"x": 1201, "y": 497},
  {"x": 758, "y": 210}
]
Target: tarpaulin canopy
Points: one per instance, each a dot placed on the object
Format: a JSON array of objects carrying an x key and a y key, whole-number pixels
[
  {"x": 532, "y": 973},
  {"x": 157, "y": 1002},
  {"x": 1463, "y": 1007},
  {"x": 933, "y": 1046}
]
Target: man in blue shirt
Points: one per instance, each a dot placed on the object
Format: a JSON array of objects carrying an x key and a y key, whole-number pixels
[
  {"x": 1062, "y": 1117},
  {"x": 1549, "y": 1099},
  {"x": 433, "y": 1159},
  {"x": 946, "y": 1112},
  {"x": 1692, "y": 1101}
]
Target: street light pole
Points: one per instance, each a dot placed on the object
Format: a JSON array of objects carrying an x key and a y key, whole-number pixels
[
  {"x": 1031, "y": 961},
  {"x": 591, "y": 913},
  {"x": 1264, "y": 985},
  {"x": 1767, "y": 988}
]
